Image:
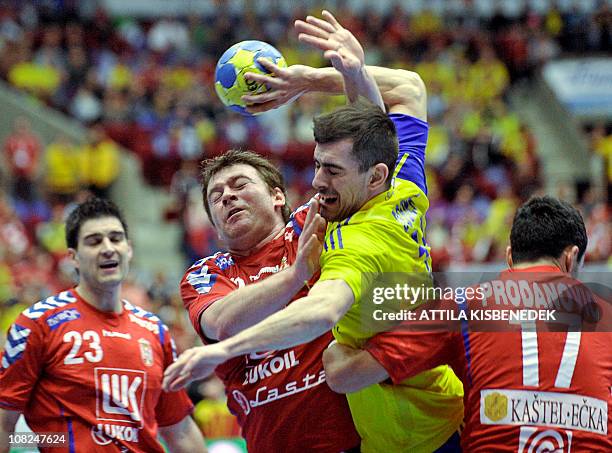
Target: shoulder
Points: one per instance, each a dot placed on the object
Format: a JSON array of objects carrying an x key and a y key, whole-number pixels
[
  {"x": 51, "y": 311},
  {"x": 145, "y": 319},
  {"x": 404, "y": 201},
  {"x": 408, "y": 126},
  {"x": 37, "y": 322},
  {"x": 219, "y": 261},
  {"x": 203, "y": 272}
]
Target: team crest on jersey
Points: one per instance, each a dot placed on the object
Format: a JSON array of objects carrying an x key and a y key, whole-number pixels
[
  {"x": 496, "y": 406},
  {"x": 146, "y": 352}
]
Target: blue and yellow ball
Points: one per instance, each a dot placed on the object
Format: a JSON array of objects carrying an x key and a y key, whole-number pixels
[{"x": 239, "y": 59}]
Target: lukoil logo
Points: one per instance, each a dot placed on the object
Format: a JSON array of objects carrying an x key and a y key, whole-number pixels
[{"x": 120, "y": 394}]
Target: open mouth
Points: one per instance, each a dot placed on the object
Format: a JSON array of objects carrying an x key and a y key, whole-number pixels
[
  {"x": 109, "y": 265},
  {"x": 327, "y": 200},
  {"x": 233, "y": 212}
]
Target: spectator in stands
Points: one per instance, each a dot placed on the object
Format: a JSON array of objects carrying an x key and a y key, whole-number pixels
[
  {"x": 62, "y": 169},
  {"x": 22, "y": 151},
  {"x": 100, "y": 163}
]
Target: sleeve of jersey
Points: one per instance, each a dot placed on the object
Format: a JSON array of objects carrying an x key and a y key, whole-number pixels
[
  {"x": 172, "y": 407},
  {"x": 202, "y": 286},
  {"x": 22, "y": 362},
  {"x": 298, "y": 217},
  {"x": 404, "y": 354},
  {"x": 412, "y": 135},
  {"x": 356, "y": 259}
]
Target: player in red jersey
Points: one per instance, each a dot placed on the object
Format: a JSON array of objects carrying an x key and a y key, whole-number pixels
[
  {"x": 542, "y": 386},
  {"x": 89, "y": 365},
  {"x": 280, "y": 397}
]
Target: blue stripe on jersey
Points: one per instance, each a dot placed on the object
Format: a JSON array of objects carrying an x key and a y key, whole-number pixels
[
  {"x": 466, "y": 339},
  {"x": 297, "y": 228},
  {"x": 8, "y": 406},
  {"x": 161, "y": 333},
  {"x": 50, "y": 303},
  {"x": 325, "y": 245},
  {"x": 331, "y": 240},
  {"x": 140, "y": 312},
  {"x": 16, "y": 342},
  {"x": 412, "y": 135},
  {"x": 201, "y": 280},
  {"x": 340, "y": 244},
  {"x": 71, "y": 443}
]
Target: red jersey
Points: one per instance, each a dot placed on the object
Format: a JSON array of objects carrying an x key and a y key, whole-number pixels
[
  {"x": 280, "y": 398},
  {"x": 93, "y": 375},
  {"x": 528, "y": 386}
]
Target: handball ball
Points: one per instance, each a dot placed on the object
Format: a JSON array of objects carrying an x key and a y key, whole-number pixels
[{"x": 239, "y": 59}]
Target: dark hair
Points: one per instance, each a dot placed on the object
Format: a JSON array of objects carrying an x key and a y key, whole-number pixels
[
  {"x": 371, "y": 130},
  {"x": 268, "y": 172},
  {"x": 92, "y": 208},
  {"x": 543, "y": 227}
]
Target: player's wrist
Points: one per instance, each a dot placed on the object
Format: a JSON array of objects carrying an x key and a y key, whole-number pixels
[
  {"x": 298, "y": 276},
  {"x": 357, "y": 76}
]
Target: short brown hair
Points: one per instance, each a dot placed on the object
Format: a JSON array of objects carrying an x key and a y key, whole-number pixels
[
  {"x": 92, "y": 208},
  {"x": 371, "y": 130},
  {"x": 268, "y": 172}
]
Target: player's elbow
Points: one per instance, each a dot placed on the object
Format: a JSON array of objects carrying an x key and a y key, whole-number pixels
[
  {"x": 412, "y": 85},
  {"x": 226, "y": 328},
  {"x": 217, "y": 327},
  {"x": 336, "y": 377},
  {"x": 409, "y": 91}
]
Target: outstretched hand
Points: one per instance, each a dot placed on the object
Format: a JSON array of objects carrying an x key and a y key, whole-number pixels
[
  {"x": 339, "y": 45},
  {"x": 284, "y": 86},
  {"x": 192, "y": 365},
  {"x": 310, "y": 243}
]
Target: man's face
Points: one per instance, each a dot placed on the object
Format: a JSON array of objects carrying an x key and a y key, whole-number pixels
[
  {"x": 243, "y": 208},
  {"x": 103, "y": 252},
  {"x": 342, "y": 187}
]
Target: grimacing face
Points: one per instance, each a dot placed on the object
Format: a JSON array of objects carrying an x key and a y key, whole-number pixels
[
  {"x": 244, "y": 210},
  {"x": 342, "y": 187},
  {"x": 103, "y": 253}
]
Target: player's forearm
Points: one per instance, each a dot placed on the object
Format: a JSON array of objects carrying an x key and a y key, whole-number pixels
[
  {"x": 348, "y": 369},
  {"x": 184, "y": 437},
  {"x": 300, "y": 322},
  {"x": 398, "y": 87},
  {"x": 363, "y": 85},
  {"x": 250, "y": 304}
]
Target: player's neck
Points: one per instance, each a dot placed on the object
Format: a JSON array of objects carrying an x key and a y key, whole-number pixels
[
  {"x": 528, "y": 264},
  {"x": 252, "y": 247},
  {"x": 104, "y": 299}
]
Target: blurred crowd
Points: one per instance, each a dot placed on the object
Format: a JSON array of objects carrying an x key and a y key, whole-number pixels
[{"x": 146, "y": 85}]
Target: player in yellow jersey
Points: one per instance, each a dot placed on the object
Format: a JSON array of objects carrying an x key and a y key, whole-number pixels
[{"x": 369, "y": 172}]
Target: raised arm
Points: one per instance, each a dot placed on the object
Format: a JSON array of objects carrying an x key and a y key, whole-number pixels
[
  {"x": 303, "y": 320},
  {"x": 401, "y": 90},
  {"x": 250, "y": 304},
  {"x": 344, "y": 52}
]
